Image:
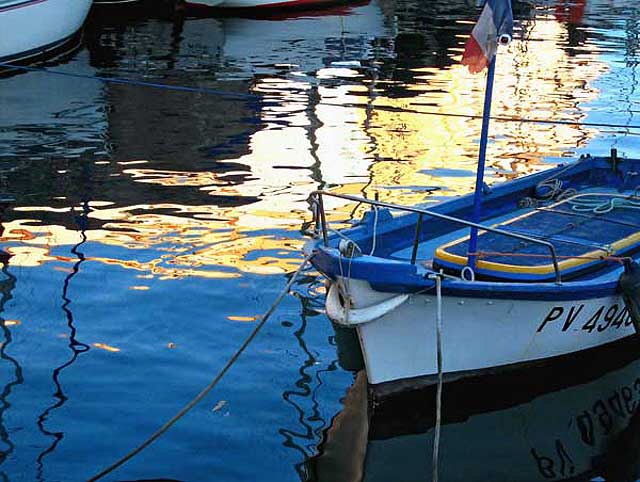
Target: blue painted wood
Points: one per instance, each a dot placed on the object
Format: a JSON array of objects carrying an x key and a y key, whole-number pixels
[
  {"x": 484, "y": 137},
  {"x": 394, "y": 233}
]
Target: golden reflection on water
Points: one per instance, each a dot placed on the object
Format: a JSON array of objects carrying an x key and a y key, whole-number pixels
[
  {"x": 246, "y": 319},
  {"x": 534, "y": 80},
  {"x": 106, "y": 347},
  {"x": 340, "y": 136}
]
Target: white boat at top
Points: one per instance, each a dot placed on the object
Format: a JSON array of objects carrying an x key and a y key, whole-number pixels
[
  {"x": 32, "y": 28},
  {"x": 202, "y": 3},
  {"x": 262, "y": 4},
  {"x": 116, "y": 2}
]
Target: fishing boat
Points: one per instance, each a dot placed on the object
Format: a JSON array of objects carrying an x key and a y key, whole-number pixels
[
  {"x": 33, "y": 28},
  {"x": 545, "y": 281},
  {"x": 523, "y": 272}
]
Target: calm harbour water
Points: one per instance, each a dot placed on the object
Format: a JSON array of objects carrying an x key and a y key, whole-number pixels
[{"x": 150, "y": 228}]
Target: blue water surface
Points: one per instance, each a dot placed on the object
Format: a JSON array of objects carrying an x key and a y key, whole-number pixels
[{"x": 149, "y": 229}]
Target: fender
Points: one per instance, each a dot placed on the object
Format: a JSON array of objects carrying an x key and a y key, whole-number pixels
[{"x": 345, "y": 316}]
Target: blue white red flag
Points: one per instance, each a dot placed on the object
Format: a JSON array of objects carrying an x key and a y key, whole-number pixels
[{"x": 495, "y": 21}]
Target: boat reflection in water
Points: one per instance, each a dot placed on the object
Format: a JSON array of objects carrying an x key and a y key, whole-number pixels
[{"x": 572, "y": 420}]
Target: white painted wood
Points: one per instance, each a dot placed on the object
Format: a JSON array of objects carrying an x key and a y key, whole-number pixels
[
  {"x": 254, "y": 3},
  {"x": 31, "y": 25},
  {"x": 478, "y": 333},
  {"x": 204, "y": 3}
]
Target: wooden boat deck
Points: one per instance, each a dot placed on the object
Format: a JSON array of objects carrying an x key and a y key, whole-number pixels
[{"x": 583, "y": 229}]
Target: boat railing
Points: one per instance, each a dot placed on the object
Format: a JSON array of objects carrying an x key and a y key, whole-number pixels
[{"x": 322, "y": 220}]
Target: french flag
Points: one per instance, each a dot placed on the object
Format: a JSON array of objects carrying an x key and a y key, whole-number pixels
[{"x": 496, "y": 21}]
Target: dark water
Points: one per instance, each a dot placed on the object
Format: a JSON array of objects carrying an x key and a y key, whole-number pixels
[
  {"x": 150, "y": 228},
  {"x": 550, "y": 422}
]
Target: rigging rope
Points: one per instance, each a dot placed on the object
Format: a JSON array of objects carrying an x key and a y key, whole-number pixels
[
  {"x": 239, "y": 95},
  {"x": 375, "y": 228},
  {"x": 209, "y": 387},
  {"x": 436, "y": 438}
]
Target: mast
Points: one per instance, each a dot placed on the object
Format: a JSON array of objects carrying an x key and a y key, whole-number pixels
[
  {"x": 482, "y": 156},
  {"x": 494, "y": 27}
]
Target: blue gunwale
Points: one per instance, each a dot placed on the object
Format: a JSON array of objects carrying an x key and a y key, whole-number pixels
[{"x": 386, "y": 274}]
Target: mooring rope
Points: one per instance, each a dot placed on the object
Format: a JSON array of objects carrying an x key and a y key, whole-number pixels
[
  {"x": 436, "y": 437},
  {"x": 479, "y": 117},
  {"x": 209, "y": 387},
  {"x": 141, "y": 83},
  {"x": 117, "y": 80}
]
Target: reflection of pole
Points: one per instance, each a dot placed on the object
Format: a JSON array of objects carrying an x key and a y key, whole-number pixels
[
  {"x": 301, "y": 440},
  {"x": 484, "y": 135},
  {"x": 76, "y": 347},
  {"x": 6, "y": 287}
]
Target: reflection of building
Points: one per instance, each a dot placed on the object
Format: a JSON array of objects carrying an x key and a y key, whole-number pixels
[
  {"x": 536, "y": 79},
  {"x": 301, "y": 45},
  {"x": 208, "y": 185},
  {"x": 310, "y": 136},
  {"x": 181, "y": 126},
  {"x": 213, "y": 157}
]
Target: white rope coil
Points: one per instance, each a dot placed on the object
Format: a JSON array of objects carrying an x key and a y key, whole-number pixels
[{"x": 597, "y": 206}]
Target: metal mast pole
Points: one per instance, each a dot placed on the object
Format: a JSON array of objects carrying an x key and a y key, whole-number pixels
[{"x": 484, "y": 135}]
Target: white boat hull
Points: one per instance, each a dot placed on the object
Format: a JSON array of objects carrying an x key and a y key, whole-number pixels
[
  {"x": 204, "y": 3},
  {"x": 115, "y": 2},
  {"x": 33, "y": 27},
  {"x": 258, "y": 4},
  {"x": 399, "y": 343}
]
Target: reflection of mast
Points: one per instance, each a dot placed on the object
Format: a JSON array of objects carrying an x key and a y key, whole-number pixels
[
  {"x": 75, "y": 346},
  {"x": 304, "y": 390},
  {"x": 315, "y": 123},
  {"x": 632, "y": 43},
  {"x": 6, "y": 287},
  {"x": 344, "y": 446},
  {"x": 367, "y": 125}
]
